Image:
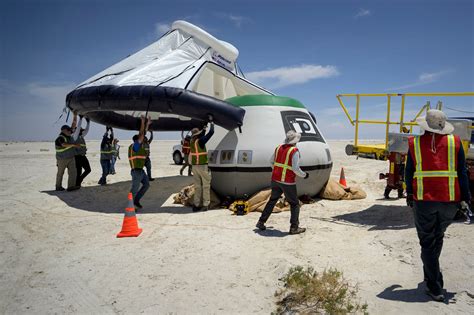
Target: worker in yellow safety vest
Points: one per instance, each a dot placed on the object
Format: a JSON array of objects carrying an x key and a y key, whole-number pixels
[
  {"x": 201, "y": 173},
  {"x": 137, "y": 157},
  {"x": 437, "y": 184},
  {"x": 65, "y": 152}
]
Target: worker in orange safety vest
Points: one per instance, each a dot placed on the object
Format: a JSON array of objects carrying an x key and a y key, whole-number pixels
[{"x": 137, "y": 158}]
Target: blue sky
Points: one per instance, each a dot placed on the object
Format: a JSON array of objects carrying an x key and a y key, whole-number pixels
[{"x": 308, "y": 50}]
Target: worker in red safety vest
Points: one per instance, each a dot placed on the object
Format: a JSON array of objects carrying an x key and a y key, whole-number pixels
[
  {"x": 437, "y": 184},
  {"x": 285, "y": 162},
  {"x": 185, "y": 149}
]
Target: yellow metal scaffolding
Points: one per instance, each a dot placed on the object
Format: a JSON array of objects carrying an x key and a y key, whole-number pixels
[{"x": 380, "y": 151}]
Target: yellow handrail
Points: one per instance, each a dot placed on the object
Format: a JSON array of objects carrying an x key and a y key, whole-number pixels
[
  {"x": 387, "y": 122},
  {"x": 412, "y": 94}
]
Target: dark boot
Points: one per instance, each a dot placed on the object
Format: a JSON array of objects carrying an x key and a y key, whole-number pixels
[
  {"x": 196, "y": 209},
  {"x": 205, "y": 208},
  {"x": 296, "y": 230},
  {"x": 401, "y": 194},
  {"x": 435, "y": 297},
  {"x": 137, "y": 204},
  {"x": 261, "y": 226}
]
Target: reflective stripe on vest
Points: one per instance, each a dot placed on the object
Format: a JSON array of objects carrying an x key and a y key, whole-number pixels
[
  {"x": 285, "y": 166},
  {"x": 451, "y": 173},
  {"x": 106, "y": 151},
  {"x": 196, "y": 155},
  {"x": 63, "y": 148},
  {"x": 136, "y": 159},
  {"x": 65, "y": 152}
]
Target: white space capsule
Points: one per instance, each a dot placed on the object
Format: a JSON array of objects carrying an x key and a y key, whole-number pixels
[{"x": 240, "y": 161}]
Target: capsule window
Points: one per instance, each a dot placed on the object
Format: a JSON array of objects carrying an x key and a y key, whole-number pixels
[
  {"x": 212, "y": 156},
  {"x": 245, "y": 157},
  {"x": 227, "y": 156}
]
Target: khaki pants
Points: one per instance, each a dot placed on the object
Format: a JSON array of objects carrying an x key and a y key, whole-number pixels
[
  {"x": 70, "y": 164},
  {"x": 202, "y": 185}
]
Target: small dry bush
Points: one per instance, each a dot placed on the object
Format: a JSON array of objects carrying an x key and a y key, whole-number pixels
[{"x": 309, "y": 292}]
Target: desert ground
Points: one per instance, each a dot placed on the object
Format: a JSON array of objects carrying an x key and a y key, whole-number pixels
[{"x": 60, "y": 255}]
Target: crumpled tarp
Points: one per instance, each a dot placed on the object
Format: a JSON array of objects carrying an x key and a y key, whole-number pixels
[
  {"x": 186, "y": 197},
  {"x": 335, "y": 191}
]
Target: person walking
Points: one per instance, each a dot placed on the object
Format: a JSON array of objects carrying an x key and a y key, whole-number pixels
[
  {"x": 146, "y": 144},
  {"x": 80, "y": 155},
  {"x": 185, "y": 149},
  {"x": 115, "y": 155},
  {"x": 137, "y": 158},
  {"x": 65, "y": 152},
  {"x": 201, "y": 173},
  {"x": 106, "y": 154},
  {"x": 286, "y": 167},
  {"x": 436, "y": 184}
]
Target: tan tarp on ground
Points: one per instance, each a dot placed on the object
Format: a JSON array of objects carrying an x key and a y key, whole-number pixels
[
  {"x": 335, "y": 191},
  {"x": 258, "y": 201},
  {"x": 186, "y": 197}
]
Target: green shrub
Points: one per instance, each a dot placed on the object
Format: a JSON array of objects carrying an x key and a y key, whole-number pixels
[{"x": 309, "y": 292}]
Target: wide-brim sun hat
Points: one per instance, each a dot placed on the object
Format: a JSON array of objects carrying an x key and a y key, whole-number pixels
[
  {"x": 195, "y": 131},
  {"x": 292, "y": 137},
  {"x": 435, "y": 121}
]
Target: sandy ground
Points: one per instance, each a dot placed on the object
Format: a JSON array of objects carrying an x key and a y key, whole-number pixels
[{"x": 59, "y": 253}]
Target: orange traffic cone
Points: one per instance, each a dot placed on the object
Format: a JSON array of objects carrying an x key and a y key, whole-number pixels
[
  {"x": 130, "y": 224},
  {"x": 342, "y": 178}
]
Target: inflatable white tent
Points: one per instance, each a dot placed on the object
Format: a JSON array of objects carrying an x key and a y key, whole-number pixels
[{"x": 184, "y": 59}]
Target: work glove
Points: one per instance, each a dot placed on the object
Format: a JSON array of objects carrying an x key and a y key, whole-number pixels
[
  {"x": 307, "y": 175},
  {"x": 410, "y": 200}
]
